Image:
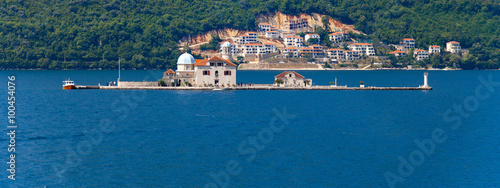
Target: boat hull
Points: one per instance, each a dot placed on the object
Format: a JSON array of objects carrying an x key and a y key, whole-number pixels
[{"x": 69, "y": 87}]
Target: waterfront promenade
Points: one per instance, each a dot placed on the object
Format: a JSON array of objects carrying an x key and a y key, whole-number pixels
[{"x": 255, "y": 87}]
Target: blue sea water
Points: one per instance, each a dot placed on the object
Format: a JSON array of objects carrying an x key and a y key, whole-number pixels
[{"x": 123, "y": 138}]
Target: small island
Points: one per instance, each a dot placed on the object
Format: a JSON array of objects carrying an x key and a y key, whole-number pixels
[{"x": 216, "y": 73}]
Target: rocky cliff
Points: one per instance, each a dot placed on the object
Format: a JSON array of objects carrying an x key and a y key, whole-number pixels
[{"x": 276, "y": 19}]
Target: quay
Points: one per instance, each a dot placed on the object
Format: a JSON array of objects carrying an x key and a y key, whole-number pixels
[
  {"x": 196, "y": 75},
  {"x": 255, "y": 87}
]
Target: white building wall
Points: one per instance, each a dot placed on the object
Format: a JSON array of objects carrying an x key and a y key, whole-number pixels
[
  {"x": 272, "y": 35},
  {"x": 453, "y": 47},
  {"x": 201, "y": 79}
]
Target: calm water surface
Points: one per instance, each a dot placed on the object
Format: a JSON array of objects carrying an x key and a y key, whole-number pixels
[{"x": 178, "y": 138}]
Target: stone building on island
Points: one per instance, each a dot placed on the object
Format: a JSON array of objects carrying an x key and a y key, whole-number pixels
[
  {"x": 292, "y": 79},
  {"x": 214, "y": 71}
]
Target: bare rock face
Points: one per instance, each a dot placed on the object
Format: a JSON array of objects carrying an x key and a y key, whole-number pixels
[
  {"x": 222, "y": 33},
  {"x": 276, "y": 19}
]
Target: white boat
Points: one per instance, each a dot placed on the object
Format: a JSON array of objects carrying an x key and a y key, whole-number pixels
[
  {"x": 220, "y": 89},
  {"x": 68, "y": 84}
]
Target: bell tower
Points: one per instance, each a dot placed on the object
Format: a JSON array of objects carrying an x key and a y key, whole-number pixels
[{"x": 226, "y": 51}]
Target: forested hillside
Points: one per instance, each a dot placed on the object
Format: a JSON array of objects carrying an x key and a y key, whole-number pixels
[{"x": 55, "y": 34}]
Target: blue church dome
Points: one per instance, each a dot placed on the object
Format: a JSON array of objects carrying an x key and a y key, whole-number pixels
[{"x": 186, "y": 59}]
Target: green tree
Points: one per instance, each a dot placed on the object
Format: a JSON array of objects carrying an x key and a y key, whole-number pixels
[
  {"x": 161, "y": 82},
  {"x": 326, "y": 23},
  {"x": 312, "y": 41},
  {"x": 279, "y": 81},
  {"x": 74, "y": 34}
]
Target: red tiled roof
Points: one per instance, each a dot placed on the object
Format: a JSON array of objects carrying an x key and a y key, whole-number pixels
[
  {"x": 201, "y": 62},
  {"x": 269, "y": 43},
  {"x": 205, "y": 62},
  {"x": 308, "y": 52},
  {"x": 282, "y": 75},
  {"x": 263, "y": 24},
  {"x": 420, "y": 50},
  {"x": 170, "y": 71},
  {"x": 408, "y": 39},
  {"x": 253, "y": 44},
  {"x": 244, "y": 35},
  {"x": 363, "y": 44},
  {"x": 332, "y": 49},
  {"x": 453, "y": 42},
  {"x": 228, "y": 63},
  {"x": 397, "y": 51},
  {"x": 435, "y": 46},
  {"x": 271, "y": 31}
]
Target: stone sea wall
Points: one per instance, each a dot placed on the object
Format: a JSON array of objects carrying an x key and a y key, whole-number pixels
[{"x": 137, "y": 84}]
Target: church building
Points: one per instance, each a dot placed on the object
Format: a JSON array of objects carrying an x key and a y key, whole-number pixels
[{"x": 214, "y": 71}]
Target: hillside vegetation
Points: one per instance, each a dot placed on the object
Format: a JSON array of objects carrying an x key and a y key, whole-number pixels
[{"x": 55, "y": 34}]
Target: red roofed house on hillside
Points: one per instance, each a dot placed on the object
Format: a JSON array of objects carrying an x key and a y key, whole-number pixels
[
  {"x": 363, "y": 48},
  {"x": 398, "y": 53},
  {"x": 336, "y": 54},
  {"x": 290, "y": 52},
  {"x": 249, "y": 47},
  {"x": 421, "y": 55},
  {"x": 215, "y": 71},
  {"x": 249, "y": 37},
  {"x": 338, "y": 37},
  {"x": 292, "y": 78},
  {"x": 263, "y": 27},
  {"x": 293, "y": 41},
  {"x": 315, "y": 51},
  {"x": 351, "y": 55},
  {"x": 434, "y": 49},
  {"x": 453, "y": 47},
  {"x": 407, "y": 44}
]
